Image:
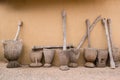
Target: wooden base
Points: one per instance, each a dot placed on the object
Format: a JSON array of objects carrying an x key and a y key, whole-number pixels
[
  {"x": 89, "y": 65},
  {"x": 47, "y": 65},
  {"x": 35, "y": 65},
  {"x": 64, "y": 67},
  {"x": 13, "y": 64},
  {"x": 73, "y": 65}
]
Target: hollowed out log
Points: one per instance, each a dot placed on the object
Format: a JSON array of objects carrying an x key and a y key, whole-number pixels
[
  {"x": 12, "y": 51},
  {"x": 90, "y": 57},
  {"x": 36, "y": 57},
  {"x": 64, "y": 59},
  {"x": 116, "y": 55},
  {"x": 48, "y": 56},
  {"x": 74, "y": 56},
  {"x": 102, "y": 58}
]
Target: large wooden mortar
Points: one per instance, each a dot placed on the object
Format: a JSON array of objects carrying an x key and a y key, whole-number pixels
[{"x": 12, "y": 51}]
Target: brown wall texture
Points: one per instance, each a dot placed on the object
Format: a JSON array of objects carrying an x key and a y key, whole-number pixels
[{"x": 43, "y": 23}]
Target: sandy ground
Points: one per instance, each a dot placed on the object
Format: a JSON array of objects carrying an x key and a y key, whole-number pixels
[{"x": 53, "y": 73}]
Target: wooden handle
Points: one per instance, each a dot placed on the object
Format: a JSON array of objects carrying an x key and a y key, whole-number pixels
[
  {"x": 20, "y": 23},
  {"x": 50, "y": 47},
  {"x": 110, "y": 32},
  {"x": 88, "y": 32},
  {"x": 64, "y": 29},
  {"x": 112, "y": 63},
  {"x": 91, "y": 28}
]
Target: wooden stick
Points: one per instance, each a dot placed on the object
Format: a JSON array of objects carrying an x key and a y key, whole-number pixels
[
  {"x": 18, "y": 31},
  {"x": 91, "y": 28},
  {"x": 64, "y": 29},
  {"x": 112, "y": 63},
  {"x": 110, "y": 32},
  {"x": 50, "y": 47},
  {"x": 88, "y": 32}
]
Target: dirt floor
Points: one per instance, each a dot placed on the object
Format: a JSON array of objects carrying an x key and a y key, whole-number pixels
[{"x": 53, "y": 73}]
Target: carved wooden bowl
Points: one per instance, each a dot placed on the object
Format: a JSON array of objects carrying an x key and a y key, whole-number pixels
[{"x": 90, "y": 54}]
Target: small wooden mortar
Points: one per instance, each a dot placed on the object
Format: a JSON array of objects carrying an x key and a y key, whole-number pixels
[
  {"x": 48, "y": 56},
  {"x": 102, "y": 58},
  {"x": 36, "y": 57}
]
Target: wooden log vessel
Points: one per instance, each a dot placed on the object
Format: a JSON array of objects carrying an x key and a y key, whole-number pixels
[
  {"x": 48, "y": 56},
  {"x": 102, "y": 58},
  {"x": 36, "y": 57},
  {"x": 12, "y": 51}
]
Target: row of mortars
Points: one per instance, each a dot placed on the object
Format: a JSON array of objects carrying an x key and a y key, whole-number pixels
[{"x": 68, "y": 55}]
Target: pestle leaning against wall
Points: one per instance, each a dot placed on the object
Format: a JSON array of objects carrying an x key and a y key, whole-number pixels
[{"x": 13, "y": 49}]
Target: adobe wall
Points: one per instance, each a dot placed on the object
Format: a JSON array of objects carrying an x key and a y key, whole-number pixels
[{"x": 43, "y": 23}]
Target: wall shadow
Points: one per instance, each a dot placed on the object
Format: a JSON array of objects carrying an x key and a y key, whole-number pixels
[{"x": 25, "y": 4}]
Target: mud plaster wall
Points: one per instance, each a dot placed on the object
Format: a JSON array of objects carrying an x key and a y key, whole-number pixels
[{"x": 43, "y": 23}]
